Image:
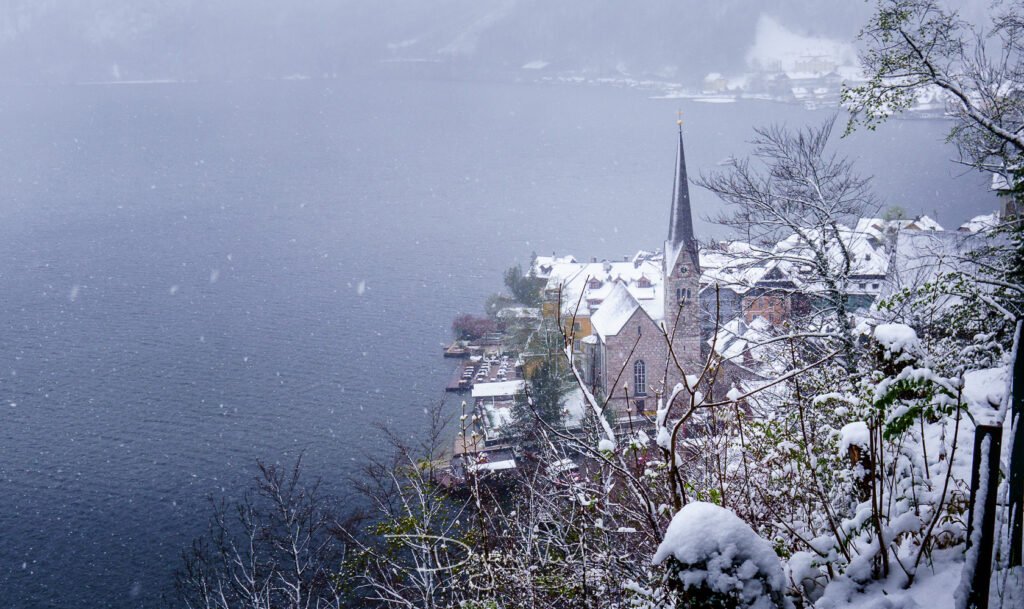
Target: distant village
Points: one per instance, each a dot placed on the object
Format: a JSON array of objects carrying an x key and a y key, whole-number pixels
[
  {"x": 811, "y": 80},
  {"x": 618, "y": 317}
]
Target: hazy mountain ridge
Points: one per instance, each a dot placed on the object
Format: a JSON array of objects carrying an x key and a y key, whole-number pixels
[{"x": 145, "y": 39}]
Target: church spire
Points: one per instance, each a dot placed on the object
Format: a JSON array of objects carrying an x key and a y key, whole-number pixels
[{"x": 680, "y": 227}]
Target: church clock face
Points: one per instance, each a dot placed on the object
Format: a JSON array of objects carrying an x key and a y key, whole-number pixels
[{"x": 681, "y": 271}]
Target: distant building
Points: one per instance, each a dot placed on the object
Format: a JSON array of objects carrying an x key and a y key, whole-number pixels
[
  {"x": 815, "y": 64},
  {"x": 715, "y": 83}
]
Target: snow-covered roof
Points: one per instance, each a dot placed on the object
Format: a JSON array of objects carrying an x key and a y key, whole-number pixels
[
  {"x": 740, "y": 266},
  {"x": 494, "y": 466},
  {"x": 499, "y": 389},
  {"x": 652, "y": 300},
  {"x": 736, "y": 337},
  {"x": 981, "y": 223},
  {"x": 733, "y": 265},
  {"x": 614, "y": 312},
  {"x": 497, "y": 416},
  {"x": 923, "y": 223},
  {"x": 543, "y": 265},
  {"x": 642, "y": 276},
  {"x": 866, "y": 252},
  {"x": 999, "y": 182},
  {"x": 873, "y": 228},
  {"x": 519, "y": 313}
]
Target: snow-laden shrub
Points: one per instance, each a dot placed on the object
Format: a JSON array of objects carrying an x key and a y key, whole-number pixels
[{"x": 714, "y": 559}]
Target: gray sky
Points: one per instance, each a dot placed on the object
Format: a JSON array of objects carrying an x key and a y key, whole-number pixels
[{"x": 84, "y": 40}]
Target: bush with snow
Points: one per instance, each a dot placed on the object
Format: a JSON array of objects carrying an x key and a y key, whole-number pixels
[{"x": 714, "y": 559}]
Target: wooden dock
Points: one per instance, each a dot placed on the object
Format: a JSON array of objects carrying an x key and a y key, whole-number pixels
[
  {"x": 456, "y": 382},
  {"x": 456, "y": 350}
]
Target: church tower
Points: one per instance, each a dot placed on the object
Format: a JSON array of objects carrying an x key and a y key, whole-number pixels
[{"x": 682, "y": 275}]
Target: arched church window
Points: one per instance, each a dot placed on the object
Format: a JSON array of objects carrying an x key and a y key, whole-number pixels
[{"x": 640, "y": 377}]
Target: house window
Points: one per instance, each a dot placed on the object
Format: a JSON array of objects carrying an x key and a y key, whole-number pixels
[
  {"x": 874, "y": 286},
  {"x": 577, "y": 326},
  {"x": 682, "y": 294},
  {"x": 640, "y": 377},
  {"x": 639, "y": 331}
]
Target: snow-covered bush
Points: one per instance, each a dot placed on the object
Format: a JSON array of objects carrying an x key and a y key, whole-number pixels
[
  {"x": 714, "y": 559},
  {"x": 899, "y": 502}
]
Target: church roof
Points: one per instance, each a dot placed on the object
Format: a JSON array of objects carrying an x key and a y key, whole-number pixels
[
  {"x": 614, "y": 312},
  {"x": 680, "y": 224}
]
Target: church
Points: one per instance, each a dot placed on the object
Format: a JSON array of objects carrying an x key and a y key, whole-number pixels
[{"x": 627, "y": 308}]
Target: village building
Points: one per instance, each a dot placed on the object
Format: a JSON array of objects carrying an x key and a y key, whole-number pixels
[
  {"x": 495, "y": 401},
  {"x": 635, "y": 322},
  {"x": 574, "y": 291}
]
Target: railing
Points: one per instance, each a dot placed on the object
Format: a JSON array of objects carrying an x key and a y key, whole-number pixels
[{"x": 995, "y": 558}]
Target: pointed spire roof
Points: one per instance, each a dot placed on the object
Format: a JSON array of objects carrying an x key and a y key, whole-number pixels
[{"x": 680, "y": 226}]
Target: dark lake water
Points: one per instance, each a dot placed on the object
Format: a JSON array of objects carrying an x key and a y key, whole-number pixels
[{"x": 195, "y": 276}]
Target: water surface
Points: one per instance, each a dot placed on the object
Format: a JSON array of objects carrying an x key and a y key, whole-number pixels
[{"x": 195, "y": 276}]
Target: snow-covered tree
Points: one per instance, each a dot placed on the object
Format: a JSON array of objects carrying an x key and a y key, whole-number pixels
[
  {"x": 276, "y": 547},
  {"x": 793, "y": 204},
  {"x": 913, "y": 45}
]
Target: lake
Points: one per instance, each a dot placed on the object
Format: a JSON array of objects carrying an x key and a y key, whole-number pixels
[{"x": 195, "y": 276}]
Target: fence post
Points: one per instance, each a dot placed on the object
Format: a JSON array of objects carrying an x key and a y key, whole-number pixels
[
  {"x": 1016, "y": 482},
  {"x": 986, "y": 460}
]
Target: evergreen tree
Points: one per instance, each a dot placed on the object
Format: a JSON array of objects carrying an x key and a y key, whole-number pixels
[
  {"x": 525, "y": 288},
  {"x": 547, "y": 386}
]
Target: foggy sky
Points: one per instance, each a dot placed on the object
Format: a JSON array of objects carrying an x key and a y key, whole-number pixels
[{"x": 90, "y": 40}]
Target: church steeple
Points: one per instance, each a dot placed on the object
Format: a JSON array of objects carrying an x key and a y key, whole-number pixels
[{"x": 680, "y": 227}]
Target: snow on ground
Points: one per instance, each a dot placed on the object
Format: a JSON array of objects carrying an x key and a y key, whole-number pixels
[
  {"x": 985, "y": 388},
  {"x": 933, "y": 588}
]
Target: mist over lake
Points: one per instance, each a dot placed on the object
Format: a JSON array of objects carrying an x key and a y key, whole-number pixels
[{"x": 196, "y": 276}]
